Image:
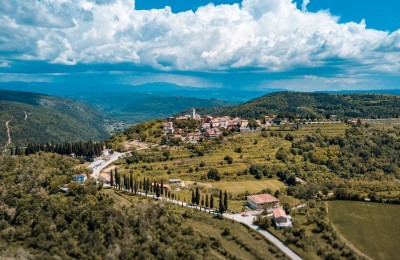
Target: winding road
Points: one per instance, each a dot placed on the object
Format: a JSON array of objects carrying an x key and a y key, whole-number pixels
[{"x": 245, "y": 220}]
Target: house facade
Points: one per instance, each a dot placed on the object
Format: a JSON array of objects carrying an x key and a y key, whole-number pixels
[
  {"x": 262, "y": 201},
  {"x": 281, "y": 220}
]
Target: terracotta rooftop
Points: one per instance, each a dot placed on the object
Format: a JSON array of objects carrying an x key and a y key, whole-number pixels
[
  {"x": 262, "y": 198},
  {"x": 279, "y": 213}
]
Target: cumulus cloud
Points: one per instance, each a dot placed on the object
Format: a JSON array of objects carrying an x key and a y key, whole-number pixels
[
  {"x": 268, "y": 35},
  {"x": 304, "y": 5}
]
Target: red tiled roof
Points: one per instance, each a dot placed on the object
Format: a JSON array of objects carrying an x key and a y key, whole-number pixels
[
  {"x": 279, "y": 213},
  {"x": 106, "y": 176},
  {"x": 262, "y": 198}
]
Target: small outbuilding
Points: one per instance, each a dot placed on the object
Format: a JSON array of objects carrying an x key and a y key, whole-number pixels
[
  {"x": 175, "y": 181},
  {"x": 281, "y": 220}
]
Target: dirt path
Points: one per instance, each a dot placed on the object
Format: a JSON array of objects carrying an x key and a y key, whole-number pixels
[
  {"x": 8, "y": 134},
  {"x": 26, "y": 115},
  {"x": 348, "y": 243}
]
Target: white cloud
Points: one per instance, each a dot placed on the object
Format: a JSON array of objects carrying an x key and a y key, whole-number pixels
[
  {"x": 272, "y": 35},
  {"x": 304, "y": 5}
]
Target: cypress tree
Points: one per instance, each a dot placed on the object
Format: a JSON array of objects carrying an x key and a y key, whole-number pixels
[
  {"x": 206, "y": 200},
  {"x": 157, "y": 190},
  {"x": 221, "y": 204},
  {"x": 111, "y": 178},
  {"x": 197, "y": 196},
  {"x": 225, "y": 201},
  {"x": 131, "y": 183},
  {"x": 193, "y": 198},
  {"x": 211, "y": 202}
]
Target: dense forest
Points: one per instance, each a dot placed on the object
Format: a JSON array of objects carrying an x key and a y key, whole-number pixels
[
  {"x": 41, "y": 118},
  {"x": 314, "y": 105}
]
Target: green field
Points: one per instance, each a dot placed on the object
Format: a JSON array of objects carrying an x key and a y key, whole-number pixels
[{"x": 371, "y": 227}]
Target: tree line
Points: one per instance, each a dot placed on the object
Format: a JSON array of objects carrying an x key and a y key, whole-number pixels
[
  {"x": 129, "y": 183},
  {"x": 79, "y": 149}
]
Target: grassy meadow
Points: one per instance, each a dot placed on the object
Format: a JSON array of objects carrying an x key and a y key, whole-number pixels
[{"x": 373, "y": 228}]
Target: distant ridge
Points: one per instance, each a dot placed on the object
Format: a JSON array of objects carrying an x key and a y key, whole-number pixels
[
  {"x": 394, "y": 92},
  {"x": 42, "y": 118},
  {"x": 315, "y": 104}
]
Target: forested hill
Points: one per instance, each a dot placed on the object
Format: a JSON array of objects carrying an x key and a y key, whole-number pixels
[
  {"x": 295, "y": 104},
  {"x": 41, "y": 118}
]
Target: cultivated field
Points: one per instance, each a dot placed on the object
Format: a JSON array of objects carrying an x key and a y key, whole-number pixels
[{"x": 371, "y": 227}]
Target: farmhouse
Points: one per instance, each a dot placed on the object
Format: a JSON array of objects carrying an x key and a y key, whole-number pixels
[
  {"x": 281, "y": 220},
  {"x": 79, "y": 177},
  {"x": 261, "y": 201}
]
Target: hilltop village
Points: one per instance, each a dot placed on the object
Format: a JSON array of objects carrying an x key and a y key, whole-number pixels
[{"x": 195, "y": 128}]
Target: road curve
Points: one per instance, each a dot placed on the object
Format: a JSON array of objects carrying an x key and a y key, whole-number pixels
[
  {"x": 245, "y": 220},
  {"x": 248, "y": 221}
]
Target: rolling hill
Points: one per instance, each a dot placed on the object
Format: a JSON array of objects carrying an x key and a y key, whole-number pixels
[
  {"x": 138, "y": 107},
  {"x": 41, "y": 118},
  {"x": 294, "y": 104}
]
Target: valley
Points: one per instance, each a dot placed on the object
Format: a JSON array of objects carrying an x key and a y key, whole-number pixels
[
  {"x": 30, "y": 117},
  {"x": 308, "y": 165}
]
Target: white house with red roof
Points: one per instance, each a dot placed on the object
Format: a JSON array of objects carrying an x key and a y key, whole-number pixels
[
  {"x": 281, "y": 220},
  {"x": 262, "y": 201}
]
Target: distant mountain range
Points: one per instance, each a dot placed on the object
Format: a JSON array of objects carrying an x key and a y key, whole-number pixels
[
  {"x": 132, "y": 104},
  {"x": 138, "y": 107},
  {"x": 42, "y": 118},
  {"x": 295, "y": 104},
  {"x": 158, "y": 88}
]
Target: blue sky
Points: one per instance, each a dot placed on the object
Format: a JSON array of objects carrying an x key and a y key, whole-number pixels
[
  {"x": 249, "y": 44},
  {"x": 381, "y": 15}
]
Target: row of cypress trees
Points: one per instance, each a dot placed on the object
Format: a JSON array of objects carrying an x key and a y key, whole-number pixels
[
  {"x": 80, "y": 149},
  {"x": 129, "y": 183}
]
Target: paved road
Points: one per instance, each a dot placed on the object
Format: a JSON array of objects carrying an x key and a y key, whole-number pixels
[
  {"x": 115, "y": 156},
  {"x": 96, "y": 170},
  {"x": 237, "y": 217},
  {"x": 249, "y": 222}
]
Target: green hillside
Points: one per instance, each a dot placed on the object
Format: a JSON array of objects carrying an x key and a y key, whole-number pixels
[
  {"x": 319, "y": 105},
  {"x": 41, "y": 118}
]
